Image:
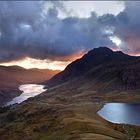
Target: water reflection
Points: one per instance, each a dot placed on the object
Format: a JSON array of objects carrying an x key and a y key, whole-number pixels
[
  {"x": 121, "y": 113},
  {"x": 29, "y": 90}
]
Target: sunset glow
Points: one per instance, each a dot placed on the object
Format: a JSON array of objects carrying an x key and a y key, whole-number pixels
[
  {"x": 47, "y": 64},
  {"x": 53, "y": 34},
  {"x": 37, "y": 63},
  {"x": 61, "y": 64}
]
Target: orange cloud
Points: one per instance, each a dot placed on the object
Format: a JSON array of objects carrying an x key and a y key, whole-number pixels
[
  {"x": 37, "y": 63},
  {"x": 28, "y": 62},
  {"x": 133, "y": 46},
  {"x": 73, "y": 56}
]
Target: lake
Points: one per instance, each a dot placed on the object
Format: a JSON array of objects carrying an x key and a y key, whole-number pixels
[
  {"x": 28, "y": 90},
  {"x": 124, "y": 113}
]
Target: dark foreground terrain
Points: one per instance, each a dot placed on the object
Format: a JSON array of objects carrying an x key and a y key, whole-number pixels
[{"x": 67, "y": 110}]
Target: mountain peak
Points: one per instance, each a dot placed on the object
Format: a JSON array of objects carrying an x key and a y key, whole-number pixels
[
  {"x": 101, "y": 50},
  {"x": 94, "y": 58}
]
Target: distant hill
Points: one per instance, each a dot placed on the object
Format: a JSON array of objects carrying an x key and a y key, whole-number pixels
[
  {"x": 12, "y": 76},
  {"x": 103, "y": 66}
]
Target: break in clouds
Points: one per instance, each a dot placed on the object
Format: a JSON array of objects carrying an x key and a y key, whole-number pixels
[{"x": 31, "y": 29}]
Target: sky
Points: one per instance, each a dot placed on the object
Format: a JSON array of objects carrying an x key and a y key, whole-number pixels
[{"x": 52, "y": 34}]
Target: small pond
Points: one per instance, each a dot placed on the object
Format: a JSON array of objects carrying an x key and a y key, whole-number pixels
[{"x": 125, "y": 113}]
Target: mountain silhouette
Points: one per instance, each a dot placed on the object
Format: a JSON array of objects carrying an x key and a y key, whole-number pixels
[{"x": 102, "y": 65}]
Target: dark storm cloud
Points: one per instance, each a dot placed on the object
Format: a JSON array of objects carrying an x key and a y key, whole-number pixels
[
  {"x": 126, "y": 26},
  {"x": 27, "y": 30}
]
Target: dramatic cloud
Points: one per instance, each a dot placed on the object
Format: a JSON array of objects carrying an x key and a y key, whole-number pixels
[
  {"x": 83, "y": 9},
  {"x": 56, "y": 31},
  {"x": 126, "y": 26}
]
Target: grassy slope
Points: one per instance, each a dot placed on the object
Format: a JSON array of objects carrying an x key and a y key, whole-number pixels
[{"x": 66, "y": 112}]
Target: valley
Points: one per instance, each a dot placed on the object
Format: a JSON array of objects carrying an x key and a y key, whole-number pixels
[
  {"x": 11, "y": 77},
  {"x": 68, "y": 109}
]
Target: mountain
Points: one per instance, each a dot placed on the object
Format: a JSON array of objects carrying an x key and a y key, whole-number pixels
[
  {"x": 12, "y": 76},
  {"x": 102, "y": 64},
  {"x": 68, "y": 109}
]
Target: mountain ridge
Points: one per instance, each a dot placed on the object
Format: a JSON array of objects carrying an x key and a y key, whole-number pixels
[{"x": 105, "y": 58}]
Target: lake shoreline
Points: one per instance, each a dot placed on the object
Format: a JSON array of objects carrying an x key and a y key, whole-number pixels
[
  {"x": 27, "y": 91},
  {"x": 10, "y": 94},
  {"x": 102, "y": 113}
]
